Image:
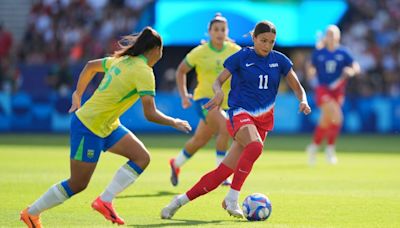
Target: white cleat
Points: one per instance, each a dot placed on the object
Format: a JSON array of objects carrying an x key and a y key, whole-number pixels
[
  {"x": 312, "y": 153},
  {"x": 169, "y": 211},
  {"x": 331, "y": 155},
  {"x": 226, "y": 182},
  {"x": 232, "y": 207}
]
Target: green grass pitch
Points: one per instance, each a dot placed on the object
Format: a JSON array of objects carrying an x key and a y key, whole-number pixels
[{"x": 363, "y": 190}]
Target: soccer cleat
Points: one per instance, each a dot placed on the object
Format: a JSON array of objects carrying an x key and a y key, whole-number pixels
[
  {"x": 232, "y": 207},
  {"x": 169, "y": 211},
  {"x": 32, "y": 221},
  {"x": 331, "y": 155},
  {"x": 107, "y": 210},
  {"x": 174, "y": 172},
  {"x": 226, "y": 182},
  {"x": 312, "y": 153}
]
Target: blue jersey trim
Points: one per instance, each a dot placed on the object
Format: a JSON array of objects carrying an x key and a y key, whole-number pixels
[
  {"x": 68, "y": 190},
  {"x": 135, "y": 167},
  {"x": 221, "y": 153},
  {"x": 187, "y": 155}
]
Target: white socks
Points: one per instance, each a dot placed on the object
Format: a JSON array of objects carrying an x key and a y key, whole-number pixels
[
  {"x": 233, "y": 195},
  {"x": 124, "y": 177},
  {"x": 54, "y": 196},
  {"x": 182, "y": 158},
  {"x": 183, "y": 199},
  {"x": 220, "y": 156},
  {"x": 59, "y": 193}
]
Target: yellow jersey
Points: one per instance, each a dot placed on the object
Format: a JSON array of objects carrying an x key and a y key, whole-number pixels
[
  {"x": 208, "y": 63},
  {"x": 126, "y": 79}
]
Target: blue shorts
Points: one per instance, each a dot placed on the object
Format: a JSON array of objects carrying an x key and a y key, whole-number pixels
[
  {"x": 198, "y": 104},
  {"x": 202, "y": 112},
  {"x": 86, "y": 146}
]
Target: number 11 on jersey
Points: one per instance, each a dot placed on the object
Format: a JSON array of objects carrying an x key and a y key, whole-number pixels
[{"x": 263, "y": 84}]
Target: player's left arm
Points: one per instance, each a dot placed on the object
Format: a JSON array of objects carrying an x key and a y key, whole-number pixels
[
  {"x": 154, "y": 115},
  {"x": 217, "y": 88},
  {"x": 352, "y": 70},
  {"x": 294, "y": 84},
  {"x": 89, "y": 71}
]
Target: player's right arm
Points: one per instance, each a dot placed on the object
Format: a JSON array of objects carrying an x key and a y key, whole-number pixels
[
  {"x": 89, "y": 71},
  {"x": 217, "y": 88},
  {"x": 181, "y": 72},
  {"x": 154, "y": 115}
]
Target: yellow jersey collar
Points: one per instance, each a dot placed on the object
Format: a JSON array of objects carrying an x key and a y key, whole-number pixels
[
  {"x": 143, "y": 58},
  {"x": 216, "y": 50}
]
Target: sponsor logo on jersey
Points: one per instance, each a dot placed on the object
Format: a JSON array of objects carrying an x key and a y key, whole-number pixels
[
  {"x": 339, "y": 57},
  {"x": 249, "y": 64},
  {"x": 271, "y": 65},
  {"x": 245, "y": 120}
]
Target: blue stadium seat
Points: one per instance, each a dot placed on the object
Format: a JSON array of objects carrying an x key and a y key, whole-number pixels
[
  {"x": 5, "y": 111},
  {"x": 21, "y": 105},
  {"x": 5, "y": 103},
  {"x": 60, "y": 118}
]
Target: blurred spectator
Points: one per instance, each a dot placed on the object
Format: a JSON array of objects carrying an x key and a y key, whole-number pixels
[
  {"x": 10, "y": 76},
  {"x": 77, "y": 29},
  {"x": 372, "y": 32},
  {"x": 5, "y": 42},
  {"x": 371, "y": 29},
  {"x": 168, "y": 83},
  {"x": 60, "y": 79}
]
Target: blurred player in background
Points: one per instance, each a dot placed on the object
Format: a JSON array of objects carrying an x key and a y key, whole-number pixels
[
  {"x": 331, "y": 66},
  {"x": 95, "y": 125},
  {"x": 256, "y": 73},
  {"x": 207, "y": 59}
]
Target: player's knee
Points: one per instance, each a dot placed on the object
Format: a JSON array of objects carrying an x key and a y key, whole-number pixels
[
  {"x": 143, "y": 160},
  {"x": 223, "y": 132},
  {"x": 200, "y": 141},
  {"x": 146, "y": 159},
  {"x": 78, "y": 186},
  {"x": 253, "y": 150},
  {"x": 336, "y": 118}
]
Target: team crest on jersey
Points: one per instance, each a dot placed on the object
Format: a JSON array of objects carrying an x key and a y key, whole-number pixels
[
  {"x": 339, "y": 57},
  {"x": 90, "y": 153}
]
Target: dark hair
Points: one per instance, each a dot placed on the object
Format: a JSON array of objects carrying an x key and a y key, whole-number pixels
[
  {"x": 138, "y": 44},
  {"x": 217, "y": 18},
  {"x": 264, "y": 26}
]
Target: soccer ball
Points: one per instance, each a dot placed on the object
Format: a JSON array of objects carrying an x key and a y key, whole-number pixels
[{"x": 257, "y": 207}]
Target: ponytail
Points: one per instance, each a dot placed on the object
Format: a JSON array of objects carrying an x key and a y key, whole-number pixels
[{"x": 138, "y": 44}]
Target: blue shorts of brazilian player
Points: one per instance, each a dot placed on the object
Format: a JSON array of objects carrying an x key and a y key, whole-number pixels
[{"x": 86, "y": 146}]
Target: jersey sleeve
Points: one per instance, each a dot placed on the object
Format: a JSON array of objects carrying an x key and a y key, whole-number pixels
[
  {"x": 285, "y": 64},
  {"x": 106, "y": 63},
  {"x": 145, "y": 84},
  {"x": 232, "y": 63},
  {"x": 236, "y": 47},
  {"x": 348, "y": 59},
  {"x": 192, "y": 57}
]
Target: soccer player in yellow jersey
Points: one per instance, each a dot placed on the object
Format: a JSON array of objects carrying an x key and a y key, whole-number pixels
[
  {"x": 95, "y": 125},
  {"x": 207, "y": 59}
]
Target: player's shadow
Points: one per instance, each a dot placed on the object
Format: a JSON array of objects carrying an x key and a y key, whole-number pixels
[
  {"x": 180, "y": 222},
  {"x": 157, "y": 194}
]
